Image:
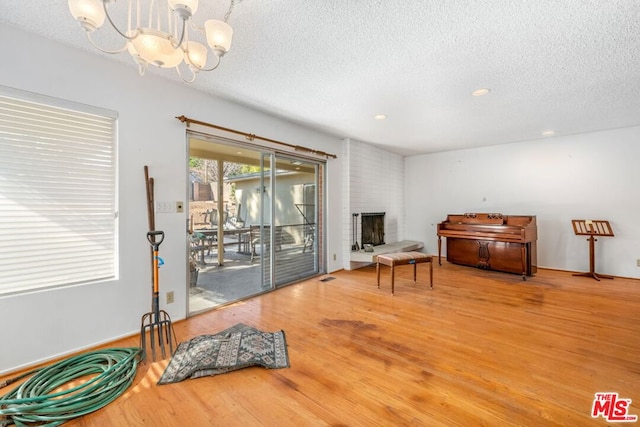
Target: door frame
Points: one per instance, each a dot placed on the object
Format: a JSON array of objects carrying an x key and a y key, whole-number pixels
[{"x": 233, "y": 148}]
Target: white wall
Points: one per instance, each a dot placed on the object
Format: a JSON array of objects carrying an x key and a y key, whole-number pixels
[
  {"x": 42, "y": 325},
  {"x": 587, "y": 176},
  {"x": 374, "y": 182}
]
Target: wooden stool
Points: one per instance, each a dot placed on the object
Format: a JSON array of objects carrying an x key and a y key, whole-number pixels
[{"x": 404, "y": 258}]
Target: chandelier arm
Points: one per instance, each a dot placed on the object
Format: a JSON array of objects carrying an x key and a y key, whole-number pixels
[
  {"x": 191, "y": 80},
  {"x": 195, "y": 27},
  {"x": 212, "y": 68},
  {"x": 115, "y": 27},
  {"x": 122, "y": 49},
  {"x": 142, "y": 67},
  {"x": 228, "y": 14},
  {"x": 184, "y": 31}
]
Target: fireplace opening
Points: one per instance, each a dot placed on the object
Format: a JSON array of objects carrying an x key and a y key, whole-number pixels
[{"x": 372, "y": 228}]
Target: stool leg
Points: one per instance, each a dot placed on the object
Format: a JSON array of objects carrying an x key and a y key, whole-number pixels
[
  {"x": 392, "y": 279},
  {"x": 431, "y": 273},
  {"x": 415, "y": 264},
  {"x": 378, "y": 273}
]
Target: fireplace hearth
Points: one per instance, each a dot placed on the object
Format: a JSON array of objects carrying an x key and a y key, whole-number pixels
[{"x": 372, "y": 226}]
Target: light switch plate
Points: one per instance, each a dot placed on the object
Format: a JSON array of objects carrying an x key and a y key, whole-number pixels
[{"x": 165, "y": 207}]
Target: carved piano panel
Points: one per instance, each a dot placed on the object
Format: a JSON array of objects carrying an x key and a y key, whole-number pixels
[{"x": 491, "y": 241}]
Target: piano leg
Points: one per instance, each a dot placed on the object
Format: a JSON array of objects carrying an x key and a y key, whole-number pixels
[
  {"x": 523, "y": 256},
  {"x": 439, "y": 249}
]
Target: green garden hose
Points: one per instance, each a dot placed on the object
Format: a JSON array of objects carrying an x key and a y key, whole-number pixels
[{"x": 37, "y": 401}]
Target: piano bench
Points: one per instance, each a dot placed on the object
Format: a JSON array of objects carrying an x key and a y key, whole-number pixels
[{"x": 404, "y": 258}]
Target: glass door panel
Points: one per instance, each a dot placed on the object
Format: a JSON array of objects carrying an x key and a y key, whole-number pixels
[
  {"x": 255, "y": 221},
  {"x": 295, "y": 233},
  {"x": 224, "y": 215}
]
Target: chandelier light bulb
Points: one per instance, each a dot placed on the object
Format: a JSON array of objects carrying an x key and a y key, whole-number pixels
[
  {"x": 219, "y": 35},
  {"x": 196, "y": 55},
  {"x": 156, "y": 48},
  {"x": 89, "y": 13}
]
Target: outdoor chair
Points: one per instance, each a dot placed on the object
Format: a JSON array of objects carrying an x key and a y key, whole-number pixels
[
  {"x": 196, "y": 248},
  {"x": 255, "y": 239}
]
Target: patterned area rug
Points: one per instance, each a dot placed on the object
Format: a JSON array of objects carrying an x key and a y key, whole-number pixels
[{"x": 235, "y": 348}]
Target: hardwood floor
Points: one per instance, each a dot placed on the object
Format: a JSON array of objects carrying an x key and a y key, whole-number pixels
[{"x": 481, "y": 348}]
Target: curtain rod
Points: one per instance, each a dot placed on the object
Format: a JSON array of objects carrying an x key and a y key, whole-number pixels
[{"x": 251, "y": 137}]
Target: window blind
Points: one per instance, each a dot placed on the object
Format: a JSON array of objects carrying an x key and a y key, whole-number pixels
[{"x": 57, "y": 193}]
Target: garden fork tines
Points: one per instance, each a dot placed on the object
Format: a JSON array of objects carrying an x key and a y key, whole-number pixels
[{"x": 156, "y": 322}]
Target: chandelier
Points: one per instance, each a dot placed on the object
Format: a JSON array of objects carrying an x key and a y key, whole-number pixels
[{"x": 157, "y": 33}]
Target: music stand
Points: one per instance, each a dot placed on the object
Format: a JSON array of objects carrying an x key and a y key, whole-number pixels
[{"x": 591, "y": 228}]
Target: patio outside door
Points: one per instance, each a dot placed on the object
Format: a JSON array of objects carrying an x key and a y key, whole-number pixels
[
  {"x": 289, "y": 196},
  {"x": 265, "y": 207}
]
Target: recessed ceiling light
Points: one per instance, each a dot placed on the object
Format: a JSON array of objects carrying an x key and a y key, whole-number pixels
[
  {"x": 548, "y": 133},
  {"x": 380, "y": 116},
  {"x": 481, "y": 92}
]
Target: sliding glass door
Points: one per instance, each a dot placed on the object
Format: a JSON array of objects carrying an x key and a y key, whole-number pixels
[{"x": 255, "y": 221}]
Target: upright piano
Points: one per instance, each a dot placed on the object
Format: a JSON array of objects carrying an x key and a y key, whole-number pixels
[{"x": 491, "y": 241}]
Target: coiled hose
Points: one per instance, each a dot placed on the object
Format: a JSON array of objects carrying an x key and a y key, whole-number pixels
[{"x": 36, "y": 401}]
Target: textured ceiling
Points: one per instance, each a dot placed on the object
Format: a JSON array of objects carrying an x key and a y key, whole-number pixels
[{"x": 568, "y": 65}]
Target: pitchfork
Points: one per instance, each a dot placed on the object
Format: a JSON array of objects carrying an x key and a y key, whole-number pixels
[{"x": 157, "y": 321}]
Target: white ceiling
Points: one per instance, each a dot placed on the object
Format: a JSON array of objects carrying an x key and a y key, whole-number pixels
[{"x": 567, "y": 65}]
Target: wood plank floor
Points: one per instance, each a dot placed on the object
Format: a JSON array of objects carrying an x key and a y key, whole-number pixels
[{"x": 480, "y": 349}]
